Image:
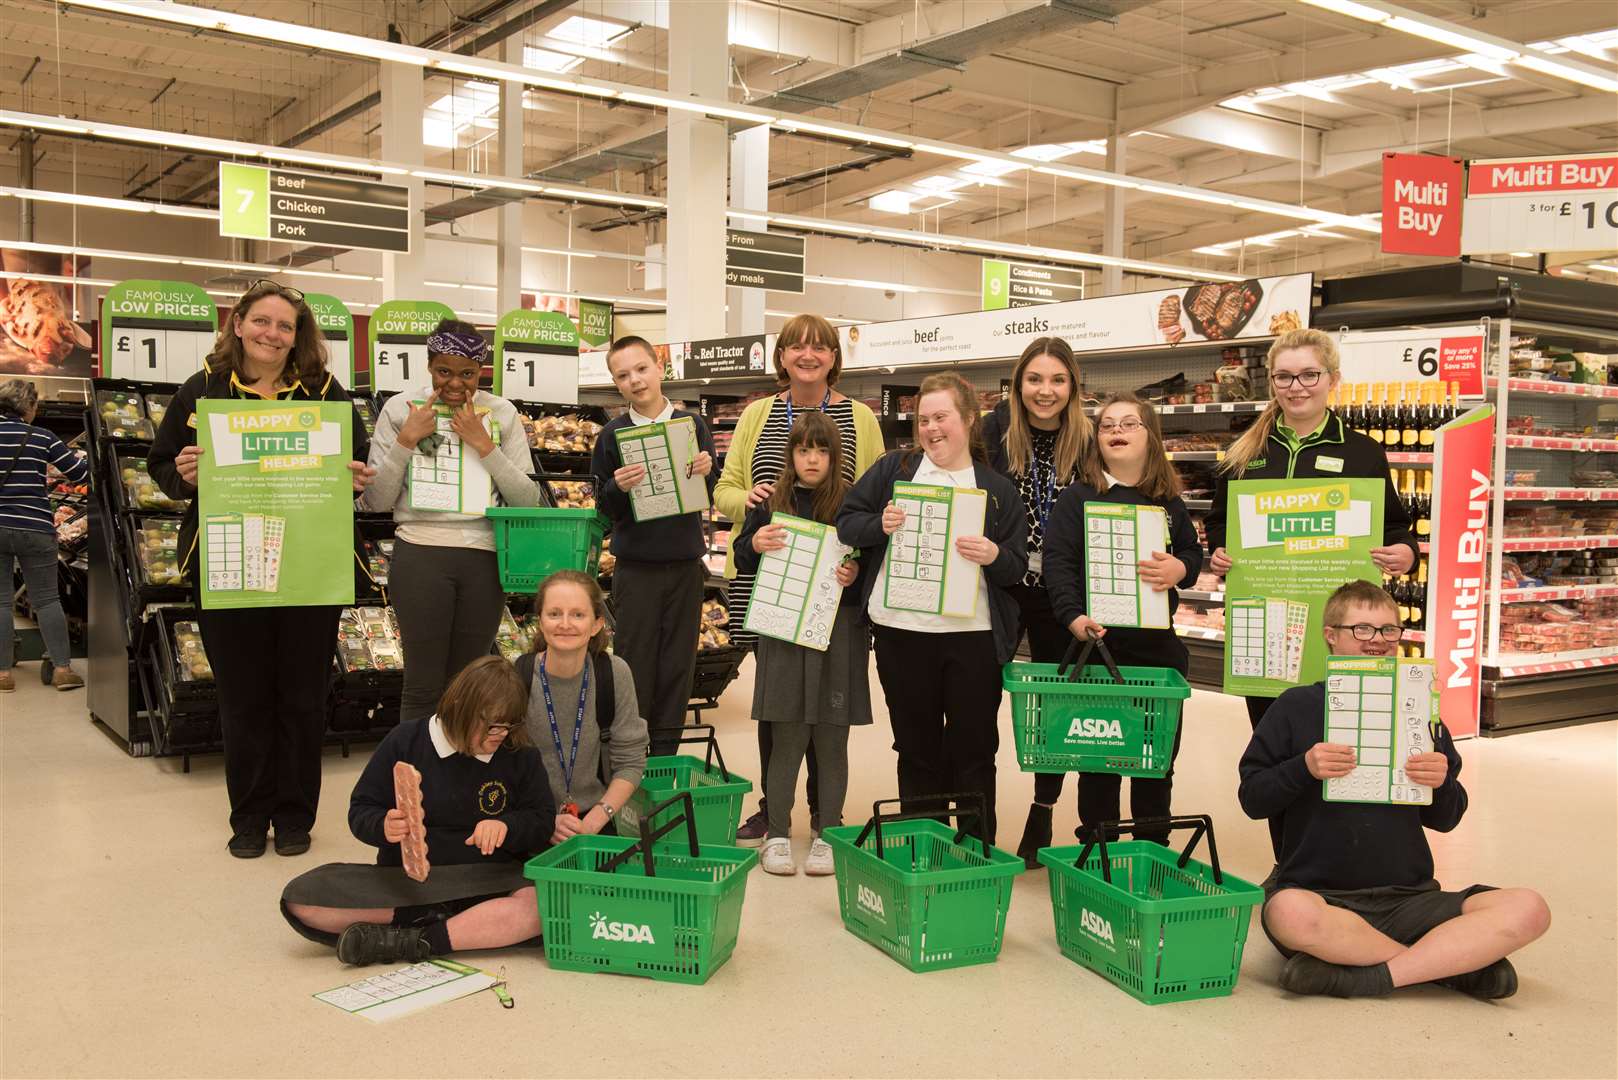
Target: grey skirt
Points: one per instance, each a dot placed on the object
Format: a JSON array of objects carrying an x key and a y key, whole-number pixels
[
  {"x": 366, "y": 885},
  {"x": 799, "y": 685}
]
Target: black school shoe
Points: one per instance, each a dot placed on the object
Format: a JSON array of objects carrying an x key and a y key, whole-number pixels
[
  {"x": 247, "y": 845},
  {"x": 1305, "y": 974},
  {"x": 1498, "y": 980},
  {"x": 378, "y": 943},
  {"x": 291, "y": 842},
  {"x": 1035, "y": 835}
]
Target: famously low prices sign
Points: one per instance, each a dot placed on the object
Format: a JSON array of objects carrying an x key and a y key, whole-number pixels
[
  {"x": 1542, "y": 204},
  {"x": 536, "y": 357},
  {"x": 1447, "y": 356},
  {"x": 156, "y": 331},
  {"x": 1224, "y": 311},
  {"x": 1459, "y": 578},
  {"x": 1421, "y": 204}
]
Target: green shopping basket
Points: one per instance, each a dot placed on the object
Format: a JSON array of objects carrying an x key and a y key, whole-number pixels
[
  {"x": 531, "y": 542},
  {"x": 922, "y": 892},
  {"x": 1121, "y": 720},
  {"x": 1158, "y": 927},
  {"x": 634, "y": 907},
  {"x": 716, "y": 793}
]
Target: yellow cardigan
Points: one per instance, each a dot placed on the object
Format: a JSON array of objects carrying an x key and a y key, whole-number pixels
[{"x": 730, "y": 494}]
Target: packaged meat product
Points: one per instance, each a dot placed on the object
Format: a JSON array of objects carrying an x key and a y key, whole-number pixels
[{"x": 407, "y": 798}]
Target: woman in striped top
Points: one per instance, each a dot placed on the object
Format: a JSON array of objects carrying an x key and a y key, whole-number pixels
[
  {"x": 28, "y": 529},
  {"x": 808, "y": 361}
]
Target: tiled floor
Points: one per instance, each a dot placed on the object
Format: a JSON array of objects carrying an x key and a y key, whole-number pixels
[{"x": 133, "y": 945}]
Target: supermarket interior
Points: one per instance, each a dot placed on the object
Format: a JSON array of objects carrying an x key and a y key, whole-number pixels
[{"x": 333, "y": 329}]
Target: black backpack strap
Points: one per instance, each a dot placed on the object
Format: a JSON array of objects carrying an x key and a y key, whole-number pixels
[
  {"x": 525, "y": 669},
  {"x": 606, "y": 707}
]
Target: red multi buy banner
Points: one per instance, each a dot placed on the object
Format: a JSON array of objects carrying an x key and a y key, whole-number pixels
[
  {"x": 1421, "y": 204},
  {"x": 1458, "y": 565}
]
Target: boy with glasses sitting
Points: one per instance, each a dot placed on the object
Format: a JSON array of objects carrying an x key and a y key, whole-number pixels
[{"x": 1352, "y": 903}]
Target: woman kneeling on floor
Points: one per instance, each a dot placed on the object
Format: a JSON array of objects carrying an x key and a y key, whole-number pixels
[{"x": 487, "y": 807}]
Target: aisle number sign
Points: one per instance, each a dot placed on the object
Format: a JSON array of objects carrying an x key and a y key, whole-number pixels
[
  {"x": 399, "y": 332},
  {"x": 536, "y": 357},
  {"x": 337, "y": 328},
  {"x": 1013, "y": 284},
  {"x": 312, "y": 208},
  {"x": 762, "y": 260},
  {"x": 1453, "y": 355},
  {"x": 156, "y": 331}
]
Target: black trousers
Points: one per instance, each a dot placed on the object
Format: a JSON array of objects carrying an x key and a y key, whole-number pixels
[
  {"x": 1048, "y": 640},
  {"x": 273, "y": 670},
  {"x": 1256, "y": 708},
  {"x": 943, "y": 694},
  {"x": 448, "y": 602},
  {"x": 658, "y": 608}
]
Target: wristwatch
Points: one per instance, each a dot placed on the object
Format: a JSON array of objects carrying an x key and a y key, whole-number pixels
[{"x": 607, "y": 808}]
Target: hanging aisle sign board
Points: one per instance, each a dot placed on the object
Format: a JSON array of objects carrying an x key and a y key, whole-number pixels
[
  {"x": 1215, "y": 311},
  {"x": 1014, "y": 284},
  {"x": 1451, "y": 355},
  {"x": 337, "y": 327},
  {"x": 399, "y": 332},
  {"x": 311, "y": 208},
  {"x": 1462, "y": 459},
  {"x": 1541, "y": 204},
  {"x": 1421, "y": 205},
  {"x": 536, "y": 357},
  {"x": 156, "y": 331},
  {"x": 755, "y": 260},
  {"x": 595, "y": 323}
]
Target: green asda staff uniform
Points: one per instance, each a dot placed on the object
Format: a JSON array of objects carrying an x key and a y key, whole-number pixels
[{"x": 272, "y": 665}]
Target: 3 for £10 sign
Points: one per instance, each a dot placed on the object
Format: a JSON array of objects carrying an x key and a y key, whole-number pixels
[{"x": 1542, "y": 204}]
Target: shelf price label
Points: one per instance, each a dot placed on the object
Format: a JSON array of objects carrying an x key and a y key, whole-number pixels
[
  {"x": 156, "y": 331},
  {"x": 399, "y": 332},
  {"x": 1454, "y": 355},
  {"x": 536, "y": 357}
]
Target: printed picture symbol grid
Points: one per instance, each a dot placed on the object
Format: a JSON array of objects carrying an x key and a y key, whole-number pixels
[
  {"x": 1246, "y": 637},
  {"x": 1114, "y": 587},
  {"x": 274, "y": 540},
  {"x": 1415, "y": 711},
  {"x": 224, "y": 556},
  {"x": 1359, "y": 713}
]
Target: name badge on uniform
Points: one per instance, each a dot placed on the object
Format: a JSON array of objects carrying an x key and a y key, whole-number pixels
[
  {"x": 191, "y": 421},
  {"x": 1329, "y": 464},
  {"x": 1036, "y": 563}
]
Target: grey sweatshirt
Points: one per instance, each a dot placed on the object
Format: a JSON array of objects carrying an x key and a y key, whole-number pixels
[
  {"x": 626, "y": 753},
  {"x": 509, "y": 466}
]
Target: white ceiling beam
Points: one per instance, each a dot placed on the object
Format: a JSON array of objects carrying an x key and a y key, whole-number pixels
[
  {"x": 1250, "y": 134},
  {"x": 1045, "y": 89}
]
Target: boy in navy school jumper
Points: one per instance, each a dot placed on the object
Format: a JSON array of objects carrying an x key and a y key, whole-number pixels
[
  {"x": 1353, "y": 903},
  {"x": 658, "y": 581}
]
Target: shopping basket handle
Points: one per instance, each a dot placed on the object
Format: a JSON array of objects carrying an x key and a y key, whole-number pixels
[
  {"x": 1091, "y": 642},
  {"x": 1099, "y": 833},
  {"x": 695, "y": 733},
  {"x": 971, "y": 802},
  {"x": 648, "y": 836}
]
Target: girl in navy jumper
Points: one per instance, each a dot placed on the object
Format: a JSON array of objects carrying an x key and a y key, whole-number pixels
[
  {"x": 487, "y": 807},
  {"x": 941, "y": 673},
  {"x": 811, "y": 697},
  {"x": 1127, "y": 464}
]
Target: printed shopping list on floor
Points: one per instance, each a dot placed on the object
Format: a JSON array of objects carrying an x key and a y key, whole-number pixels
[
  {"x": 444, "y": 475},
  {"x": 666, "y": 449},
  {"x": 923, "y": 571},
  {"x": 1117, "y": 536},
  {"x": 795, "y": 594},
  {"x": 407, "y": 990},
  {"x": 1386, "y": 709}
]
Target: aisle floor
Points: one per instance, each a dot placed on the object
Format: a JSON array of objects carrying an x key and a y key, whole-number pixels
[{"x": 133, "y": 945}]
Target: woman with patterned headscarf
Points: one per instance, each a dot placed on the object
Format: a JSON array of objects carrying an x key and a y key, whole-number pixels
[{"x": 446, "y": 582}]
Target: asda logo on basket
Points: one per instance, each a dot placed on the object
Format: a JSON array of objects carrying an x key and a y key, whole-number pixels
[
  {"x": 631, "y": 933},
  {"x": 1091, "y": 727},
  {"x": 1096, "y": 926},
  {"x": 870, "y": 902}
]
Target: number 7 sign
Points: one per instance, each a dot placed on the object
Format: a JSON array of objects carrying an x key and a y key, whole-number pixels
[{"x": 244, "y": 201}]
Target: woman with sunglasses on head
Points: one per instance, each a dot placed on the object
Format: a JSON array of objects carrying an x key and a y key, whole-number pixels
[
  {"x": 1298, "y": 436},
  {"x": 446, "y": 578},
  {"x": 273, "y": 665},
  {"x": 1038, "y": 438}
]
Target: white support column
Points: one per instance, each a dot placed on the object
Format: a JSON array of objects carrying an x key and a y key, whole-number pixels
[
  {"x": 698, "y": 170},
  {"x": 402, "y": 109},
  {"x": 508, "y": 270},
  {"x": 749, "y": 190},
  {"x": 1112, "y": 221}
]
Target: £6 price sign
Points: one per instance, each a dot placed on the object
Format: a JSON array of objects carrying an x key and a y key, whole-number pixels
[
  {"x": 1455, "y": 355},
  {"x": 1542, "y": 204}
]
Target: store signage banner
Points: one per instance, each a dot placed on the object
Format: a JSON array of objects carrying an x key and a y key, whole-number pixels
[
  {"x": 312, "y": 208},
  {"x": 156, "y": 331},
  {"x": 1453, "y": 355},
  {"x": 595, "y": 323},
  {"x": 399, "y": 330},
  {"x": 1542, "y": 204},
  {"x": 337, "y": 327},
  {"x": 763, "y": 260},
  {"x": 1457, "y": 578},
  {"x": 1014, "y": 285},
  {"x": 718, "y": 357},
  {"x": 38, "y": 335},
  {"x": 275, "y": 503},
  {"x": 1291, "y": 543},
  {"x": 1421, "y": 205},
  {"x": 1232, "y": 311},
  {"x": 536, "y": 357}
]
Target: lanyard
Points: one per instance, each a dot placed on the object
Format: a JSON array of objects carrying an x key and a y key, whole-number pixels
[
  {"x": 578, "y": 724},
  {"x": 1044, "y": 489},
  {"x": 825, "y": 401}
]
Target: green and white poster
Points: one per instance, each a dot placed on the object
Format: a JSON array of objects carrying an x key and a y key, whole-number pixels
[
  {"x": 275, "y": 503},
  {"x": 536, "y": 357},
  {"x": 337, "y": 328},
  {"x": 156, "y": 331},
  {"x": 399, "y": 333},
  {"x": 595, "y": 323},
  {"x": 1291, "y": 543}
]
